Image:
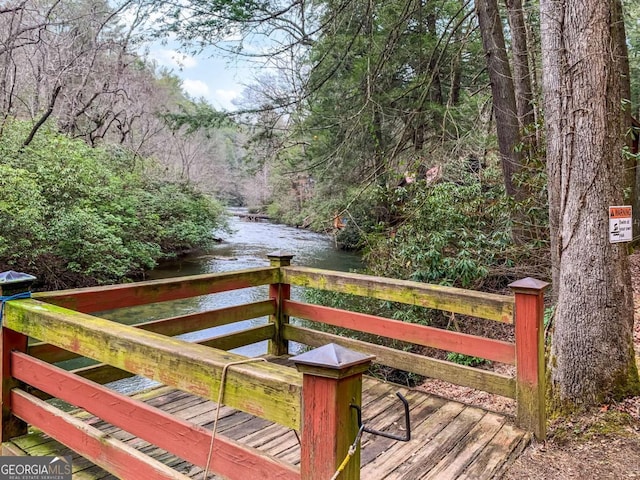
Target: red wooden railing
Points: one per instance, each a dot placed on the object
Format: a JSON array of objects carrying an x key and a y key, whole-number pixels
[{"x": 146, "y": 349}]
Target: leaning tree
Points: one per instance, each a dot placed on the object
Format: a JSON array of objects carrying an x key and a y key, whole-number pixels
[{"x": 584, "y": 81}]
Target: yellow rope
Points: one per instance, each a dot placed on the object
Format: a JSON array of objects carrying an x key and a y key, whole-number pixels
[
  {"x": 223, "y": 379},
  {"x": 350, "y": 453}
]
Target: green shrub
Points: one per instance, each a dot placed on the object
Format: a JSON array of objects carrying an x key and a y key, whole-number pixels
[
  {"x": 447, "y": 234},
  {"x": 92, "y": 211},
  {"x": 466, "y": 360}
]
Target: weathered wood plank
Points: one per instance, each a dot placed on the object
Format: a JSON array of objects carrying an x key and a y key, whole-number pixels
[
  {"x": 373, "y": 391},
  {"x": 457, "y": 300},
  {"x": 291, "y": 455},
  {"x": 240, "y": 338},
  {"x": 380, "y": 407},
  {"x": 374, "y": 446},
  {"x": 108, "y": 453},
  {"x": 530, "y": 367},
  {"x": 423, "y": 433},
  {"x": 496, "y": 453},
  {"x": 495, "y": 350},
  {"x": 172, "y": 326},
  {"x": 264, "y": 436},
  {"x": 277, "y": 447},
  {"x": 410, "y": 362},
  {"x": 10, "y": 449},
  {"x": 10, "y": 340},
  {"x": 452, "y": 465},
  {"x": 29, "y": 441},
  {"x": 236, "y": 432},
  {"x": 184, "y": 439},
  {"x": 103, "y": 373},
  {"x": 187, "y": 366},
  {"x": 97, "y": 299},
  {"x": 425, "y": 458}
]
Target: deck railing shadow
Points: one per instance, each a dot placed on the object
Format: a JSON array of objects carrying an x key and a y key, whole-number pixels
[{"x": 315, "y": 400}]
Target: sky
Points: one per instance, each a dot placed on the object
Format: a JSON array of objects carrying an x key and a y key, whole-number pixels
[
  {"x": 206, "y": 75},
  {"x": 215, "y": 79}
]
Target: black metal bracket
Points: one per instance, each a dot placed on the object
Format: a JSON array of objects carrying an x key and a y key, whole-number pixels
[{"x": 407, "y": 421}]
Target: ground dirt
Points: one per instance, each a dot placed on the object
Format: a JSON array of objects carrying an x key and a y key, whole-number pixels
[{"x": 603, "y": 443}]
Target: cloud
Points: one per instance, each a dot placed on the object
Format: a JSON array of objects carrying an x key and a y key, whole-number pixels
[
  {"x": 195, "y": 88},
  {"x": 173, "y": 59},
  {"x": 226, "y": 97}
]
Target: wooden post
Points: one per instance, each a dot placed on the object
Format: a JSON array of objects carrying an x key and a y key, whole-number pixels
[
  {"x": 279, "y": 291},
  {"x": 530, "y": 362},
  {"x": 11, "y": 283},
  {"x": 331, "y": 384}
]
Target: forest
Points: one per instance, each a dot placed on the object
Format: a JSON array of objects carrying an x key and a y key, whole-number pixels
[{"x": 433, "y": 133}]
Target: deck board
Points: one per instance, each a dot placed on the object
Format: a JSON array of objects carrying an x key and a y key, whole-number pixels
[{"x": 450, "y": 440}]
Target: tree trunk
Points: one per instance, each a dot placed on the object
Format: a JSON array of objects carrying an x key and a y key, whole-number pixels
[
  {"x": 521, "y": 73},
  {"x": 504, "y": 99},
  {"x": 592, "y": 355}
]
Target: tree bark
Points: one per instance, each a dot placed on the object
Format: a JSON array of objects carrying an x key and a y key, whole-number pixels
[
  {"x": 592, "y": 356},
  {"x": 521, "y": 73},
  {"x": 504, "y": 99}
]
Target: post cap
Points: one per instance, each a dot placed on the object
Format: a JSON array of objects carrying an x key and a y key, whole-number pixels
[
  {"x": 15, "y": 277},
  {"x": 528, "y": 285},
  {"x": 280, "y": 254},
  {"x": 12, "y": 283},
  {"x": 332, "y": 357},
  {"x": 280, "y": 259}
]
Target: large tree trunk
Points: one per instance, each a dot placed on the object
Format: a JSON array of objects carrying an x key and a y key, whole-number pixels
[{"x": 592, "y": 355}]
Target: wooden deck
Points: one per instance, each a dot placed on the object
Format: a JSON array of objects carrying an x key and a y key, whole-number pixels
[{"x": 449, "y": 440}]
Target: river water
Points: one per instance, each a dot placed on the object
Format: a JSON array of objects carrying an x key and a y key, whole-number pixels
[{"x": 246, "y": 246}]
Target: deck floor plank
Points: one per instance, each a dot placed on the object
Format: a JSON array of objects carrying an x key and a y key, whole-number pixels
[
  {"x": 422, "y": 434},
  {"x": 450, "y": 440},
  {"x": 454, "y": 463},
  {"x": 374, "y": 445},
  {"x": 502, "y": 448},
  {"x": 428, "y": 456}
]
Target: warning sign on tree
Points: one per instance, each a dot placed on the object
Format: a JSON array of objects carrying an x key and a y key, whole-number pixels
[{"x": 620, "y": 224}]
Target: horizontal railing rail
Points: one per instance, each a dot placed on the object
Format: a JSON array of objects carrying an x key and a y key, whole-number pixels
[
  {"x": 190, "y": 367},
  {"x": 457, "y": 300},
  {"x": 184, "y": 439},
  {"x": 489, "y": 349},
  {"x": 493, "y": 307},
  {"x": 99, "y": 299},
  {"x": 175, "y": 326},
  {"x": 411, "y": 362}
]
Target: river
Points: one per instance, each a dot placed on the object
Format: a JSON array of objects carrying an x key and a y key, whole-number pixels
[{"x": 246, "y": 246}]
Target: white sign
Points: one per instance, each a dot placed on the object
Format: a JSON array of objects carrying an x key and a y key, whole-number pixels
[{"x": 620, "y": 224}]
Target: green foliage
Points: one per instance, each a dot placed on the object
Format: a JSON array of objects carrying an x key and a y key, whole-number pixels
[
  {"x": 195, "y": 116},
  {"x": 91, "y": 211},
  {"x": 22, "y": 212},
  {"x": 549, "y": 312},
  {"x": 466, "y": 360},
  {"x": 447, "y": 233}
]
